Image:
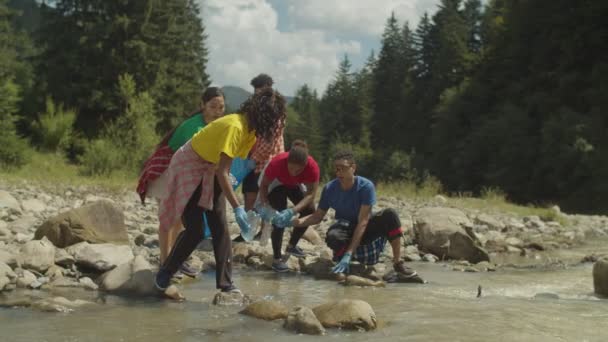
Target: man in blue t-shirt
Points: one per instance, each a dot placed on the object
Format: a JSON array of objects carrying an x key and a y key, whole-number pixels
[{"x": 352, "y": 198}]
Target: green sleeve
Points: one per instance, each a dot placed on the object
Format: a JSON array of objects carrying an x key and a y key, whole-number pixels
[{"x": 185, "y": 131}]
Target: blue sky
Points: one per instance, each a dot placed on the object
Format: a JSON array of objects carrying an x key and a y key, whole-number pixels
[{"x": 296, "y": 41}]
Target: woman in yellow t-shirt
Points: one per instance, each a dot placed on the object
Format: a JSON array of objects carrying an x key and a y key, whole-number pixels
[{"x": 199, "y": 181}]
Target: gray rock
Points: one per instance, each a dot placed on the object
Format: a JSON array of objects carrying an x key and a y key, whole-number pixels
[
  {"x": 59, "y": 304},
  {"x": 99, "y": 222},
  {"x": 135, "y": 277},
  {"x": 33, "y": 205},
  {"x": 25, "y": 279},
  {"x": 7, "y": 276},
  {"x": 490, "y": 221},
  {"x": 231, "y": 299},
  {"x": 440, "y": 231},
  {"x": 37, "y": 255},
  {"x": 9, "y": 202},
  {"x": 63, "y": 258},
  {"x": 100, "y": 257},
  {"x": 23, "y": 225},
  {"x": 303, "y": 321},
  {"x": 346, "y": 314},
  {"x": 266, "y": 309},
  {"x": 8, "y": 258},
  {"x": 88, "y": 284},
  {"x": 430, "y": 258}
]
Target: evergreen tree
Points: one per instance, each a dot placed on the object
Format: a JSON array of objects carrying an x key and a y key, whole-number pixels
[{"x": 306, "y": 103}]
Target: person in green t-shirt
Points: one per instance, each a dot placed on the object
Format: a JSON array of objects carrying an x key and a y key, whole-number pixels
[{"x": 212, "y": 108}]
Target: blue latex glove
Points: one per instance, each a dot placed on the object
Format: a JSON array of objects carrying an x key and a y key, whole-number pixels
[
  {"x": 283, "y": 219},
  {"x": 344, "y": 264},
  {"x": 241, "y": 219}
]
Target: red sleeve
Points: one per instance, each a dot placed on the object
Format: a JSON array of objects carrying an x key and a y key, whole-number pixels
[{"x": 271, "y": 171}]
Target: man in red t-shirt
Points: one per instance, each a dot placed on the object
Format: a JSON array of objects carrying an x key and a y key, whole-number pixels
[{"x": 283, "y": 178}]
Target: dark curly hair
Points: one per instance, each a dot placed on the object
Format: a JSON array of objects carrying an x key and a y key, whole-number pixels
[
  {"x": 261, "y": 81},
  {"x": 265, "y": 113}
]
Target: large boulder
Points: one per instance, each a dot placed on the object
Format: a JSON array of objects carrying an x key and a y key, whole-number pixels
[
  {"x": 135, "y": 277},
  {"x": 303, "y": 321},
  {"x": 100, "y": 257},
  {"x": 441, "y": 231},
  {"x": 9, "y": 202},
  {"x": 600, "y": 277},
  {"x": 37, "y": 255},
  {"x": 99, "y": 222},
  {"x": 266, "y": 309},
  {"x": 347, "y": 314}
]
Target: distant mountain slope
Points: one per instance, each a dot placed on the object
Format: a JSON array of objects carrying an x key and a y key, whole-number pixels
[{"x": 235, "y": 96}]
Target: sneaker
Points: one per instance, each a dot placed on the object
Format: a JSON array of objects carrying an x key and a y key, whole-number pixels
[
  {"x": 404, "y": 270},
  {"x": 162, "y": 280},
  {"x": 279, "y": 266},
  {"x": 177, "y": 277},
  {"x": 231, "y": 289},
  {"x": 295, "y": 251},
  {"x": 188, "y": 270}
]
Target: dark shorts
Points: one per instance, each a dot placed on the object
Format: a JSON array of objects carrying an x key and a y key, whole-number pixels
[
  {"x": 250, "y": 183},
  {"x": 384, "y": 223}
]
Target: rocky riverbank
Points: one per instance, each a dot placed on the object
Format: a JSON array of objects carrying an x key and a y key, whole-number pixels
[{"x": 86, "y": 238}]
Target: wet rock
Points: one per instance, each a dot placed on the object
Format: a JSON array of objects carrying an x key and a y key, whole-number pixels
[
  {"x": 134, "y": 277},
  {"x": 515, "y": 242},
  {"x": 321, "y": 269},
  {"x": 7, "y": 276},
  {"x": 99, "y": 222},
  {"x": 266, "y": 309},
  {"x": 353, "y": 280},
  {"x": 485, "y": 266},
  {"x": 88, "y": 283},
  {"x": 100, "y": 257},
  {"x": 302, "y": 320},
  {"x": 346, "y": 314},
  {"x": 255, "y": 262},
  {"x": 600, "y": 277},
  {"x": 440, "y": 231},
  {"x": 230, "y": 299},
  {"x": 412, "y": 257},
  {"x": 25, "y": 279},
  {"x": 394, "y": 277},
  {"x": 59, "y": 304},
  {"x": 37, "y": 255},
  {"x": 430, "y": 258},
  {"x": 63, "y": 258},
  {"x": 546, "y": 295}
]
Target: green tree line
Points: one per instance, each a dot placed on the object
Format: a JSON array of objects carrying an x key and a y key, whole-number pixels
[
  {"x": 510, "y": 95},
  {"x": 505, "y": 95}
]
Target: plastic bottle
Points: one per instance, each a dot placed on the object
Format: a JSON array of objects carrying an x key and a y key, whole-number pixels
[{"x": 254, "y": 220}]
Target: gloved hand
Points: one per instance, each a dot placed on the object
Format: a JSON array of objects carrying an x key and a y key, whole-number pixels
[
  {"x": 283, "y": 219},
  {"x": 266, "y": 212},
  {"x": 241, "y": 219},
  {"x": 344, "y": 264}
]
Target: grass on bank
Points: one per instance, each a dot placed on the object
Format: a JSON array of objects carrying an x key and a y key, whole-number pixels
[
  {"x": 49, "y": 170},
  {"x": 491, "y": 200}
]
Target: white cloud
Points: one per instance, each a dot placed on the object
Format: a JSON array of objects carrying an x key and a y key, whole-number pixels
[
  {"x": 244, "y": 41},
  {"x": 366, "y": 17}
]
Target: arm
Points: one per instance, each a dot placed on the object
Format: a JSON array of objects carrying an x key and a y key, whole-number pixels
[
  {"x": 223, "y": 178},
  {"x": 309, "y": 197},
  {"x": 312, "y": 219},
  {"x": 263, "y": 192},
  {"x": 364, "y": 214}
]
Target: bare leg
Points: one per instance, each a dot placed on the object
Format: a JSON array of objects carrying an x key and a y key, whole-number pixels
[
  {"x": 166, "y": 240},
  {"x": 396, "y": 246}
]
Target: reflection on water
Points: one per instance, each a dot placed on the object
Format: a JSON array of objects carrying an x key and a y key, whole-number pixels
[{"x": 445, "y": 309}]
